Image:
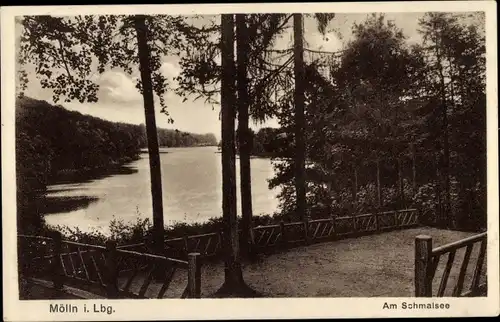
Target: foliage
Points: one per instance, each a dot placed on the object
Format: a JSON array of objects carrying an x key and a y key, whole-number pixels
[
  {"x": 77, "y": 46},
  {"x": 380, "y": 97},
  {"x": 264, "y": 143},
  {"x": 455, "y": 60},
  {"x": 201, "y": 72},
  {"x": 89, "y": 143},
  {"x": 139, "y": 231},
  {"x": 175, "y": 138},
  {"x": 67, "y": 52}
]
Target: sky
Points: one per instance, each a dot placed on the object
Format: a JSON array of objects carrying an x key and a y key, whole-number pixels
[{"x": 119, "y": 100}]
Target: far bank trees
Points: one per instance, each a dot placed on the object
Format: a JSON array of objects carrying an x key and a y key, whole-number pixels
[{"x": 67, "y": 52}]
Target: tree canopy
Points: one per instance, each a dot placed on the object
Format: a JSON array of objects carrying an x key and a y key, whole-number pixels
[{"x": 381, "y": 99}]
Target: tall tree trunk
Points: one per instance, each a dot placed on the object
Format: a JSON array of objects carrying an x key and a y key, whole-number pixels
[
  {"x": 446, "y": 148},
  {"x": 233, "y": 286},
  {"x": 453, "y": 218},
  {"x": 439, "y": 204},
  {"x": 446, "y": 165},
  {"x": 355, "y": 187},
  {"x": 244, "y": 137},
  {"x": 300, "y": 149},
  {"x": 401, "y": 184},
  {"x": 154, "y": 155},
  {"x": 379, "y": 188},
  {"x": 414, "y": 168}
]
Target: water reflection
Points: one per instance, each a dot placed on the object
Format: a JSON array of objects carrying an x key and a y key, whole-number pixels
[
  {"x": 61, "y": 204},
  {"x": 191, "y": 182},
  {"x": 88, "y": 176}
]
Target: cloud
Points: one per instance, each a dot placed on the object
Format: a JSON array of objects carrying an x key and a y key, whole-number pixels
[
  {"x": 118, "y": 87},
  {"x": 171, "y": 70}
]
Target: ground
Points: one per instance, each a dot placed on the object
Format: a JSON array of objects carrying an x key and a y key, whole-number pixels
[
  {"x": 37, "y": 289},
  {"x": 380, "y": 265}
]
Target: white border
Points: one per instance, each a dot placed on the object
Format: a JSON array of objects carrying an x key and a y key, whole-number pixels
[{"x": 15, "y": 310}]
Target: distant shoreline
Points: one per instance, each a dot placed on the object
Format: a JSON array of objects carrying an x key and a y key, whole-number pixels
[
  {"x": 77, "y": 175},
  {"x": 83, "y": 174},
  {"x": 259, "y": 156},
  {"x": 145, "y": 150}
]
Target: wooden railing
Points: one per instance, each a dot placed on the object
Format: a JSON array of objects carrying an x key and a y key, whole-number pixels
[
  {"x": 268, "y": 236},
  {"x": 283, "y": 235},
  {"x": 319, "y": 230},
  {"x": 33, "y": 252},
  {"x": 108, "y": 270},
  {"x": 128, "y": 271},
  {"x": 427, "y": 260},
  {"x": 130, "y": 265}
]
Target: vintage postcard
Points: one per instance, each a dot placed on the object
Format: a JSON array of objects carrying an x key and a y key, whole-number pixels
[{"x": 235, "y": 161}]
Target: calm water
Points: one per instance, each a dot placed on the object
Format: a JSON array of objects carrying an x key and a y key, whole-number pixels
[{"x": 192, "y": 184}]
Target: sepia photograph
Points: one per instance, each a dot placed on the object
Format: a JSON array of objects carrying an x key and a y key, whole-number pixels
[{"x": 249, "y": 154}]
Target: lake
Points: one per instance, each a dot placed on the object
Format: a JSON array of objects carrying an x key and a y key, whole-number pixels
[{"x": 192, "y": 191}]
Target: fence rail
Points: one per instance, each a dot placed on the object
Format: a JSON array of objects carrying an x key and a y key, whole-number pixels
[
  {"x": 284, "y": 235},
  {"x": 427, "y": 260},
  {"x": 113, "y": 271}
]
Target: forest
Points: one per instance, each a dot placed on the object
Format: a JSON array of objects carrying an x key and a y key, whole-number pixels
[
  {"x": 175, "y": 138},
  {"x": 393, "y": 124},
  {"x": 385, "y": 122},
  {"x": 52, "y": 142},
  {"x": 263, "y": 143}
]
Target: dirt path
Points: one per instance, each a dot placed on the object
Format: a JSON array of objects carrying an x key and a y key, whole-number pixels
[{"x": 372, "y": 266}]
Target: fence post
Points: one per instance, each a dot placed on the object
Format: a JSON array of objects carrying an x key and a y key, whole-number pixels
[
  {"x": 221, "y": 241},
  {"x": 332, "y": 221},
  {"x": 186, "y": 244},
  {"x": 111, "y": 269},
  {"x": 194, "y": 275},
  {"x": 423, "y": 257},
  {"x": 306, "y": 231},
  {"x": 377, "y": 225},
  {"x": 56, "y": 269},
  {"x": 251, "y": 236},
  {"x": 282, "y": 232}
]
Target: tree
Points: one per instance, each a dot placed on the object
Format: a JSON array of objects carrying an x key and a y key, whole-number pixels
[
  {"x": 360, "y": 104},
  {"x": 377, "y": 70},
  {"x": 255, "y": 34},
  {"x": 455, "y": 79},
  {"x": 65, "y": 52},
  {"x": 154, "y": 153},
  {"x": 300, "y": 148},
  {"x": 384, "y": 94},
  {"x": 299, "y": 101},
  {"x": 201, "y": 75},
  {"x": 250, "y": 41},
  {"x": 244, "y": 133},
  {"x": 234, "y": 284},
  {"x": 437, "y": 24},
  {"x": 90, "y": 145}
]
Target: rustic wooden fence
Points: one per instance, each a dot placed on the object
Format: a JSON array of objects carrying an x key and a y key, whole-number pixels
[
  {"x": 107, "y": 270},
  {"x": 427, "y": 260},
  {"x": 286, "y": 235}
]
